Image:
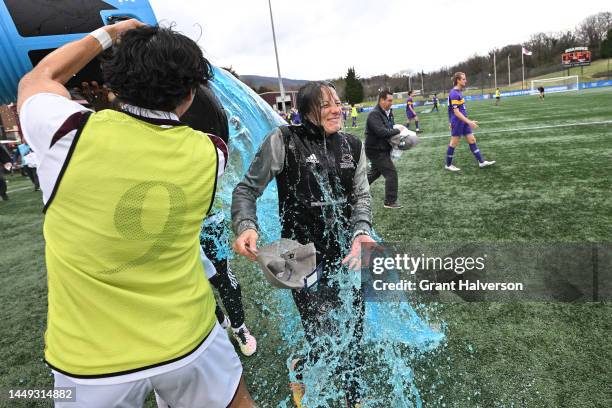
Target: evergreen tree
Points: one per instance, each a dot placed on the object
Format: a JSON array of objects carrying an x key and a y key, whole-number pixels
[
  {"x": 606, "y": 45},
  {"x": 353, "y": 87},
  {"x": 606, "y": 49}
]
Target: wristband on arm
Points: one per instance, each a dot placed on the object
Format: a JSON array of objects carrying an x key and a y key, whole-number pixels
[{"x": 103, "y": 37}]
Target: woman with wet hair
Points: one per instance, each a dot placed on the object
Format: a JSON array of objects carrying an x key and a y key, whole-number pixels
[{"x": 324, "y": 198}]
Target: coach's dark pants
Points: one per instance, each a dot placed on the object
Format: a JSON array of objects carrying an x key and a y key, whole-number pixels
[
  {"x": 381, "y": 164},
  {"x": 317, "y": 308}
]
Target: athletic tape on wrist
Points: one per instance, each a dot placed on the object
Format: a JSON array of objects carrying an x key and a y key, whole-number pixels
[{"x": 103, "y": 37}]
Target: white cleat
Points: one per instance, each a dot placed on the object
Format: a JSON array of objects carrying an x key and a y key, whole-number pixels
[
  {"x": 452, "y": 167},
  {"x": 245, "y": 340},
  {"x": 486, "y": 164}
]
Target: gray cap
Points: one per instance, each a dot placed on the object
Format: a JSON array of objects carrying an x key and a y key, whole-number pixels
[
  {"x": 404, "y": 142},
  {"x": 287, "y": 264}
]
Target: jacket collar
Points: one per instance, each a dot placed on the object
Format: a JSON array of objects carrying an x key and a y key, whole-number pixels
[
  {"x": 154, "y": 117},
  {"x": 313, "y": 130},
  {"x": 380, "y": 109}
]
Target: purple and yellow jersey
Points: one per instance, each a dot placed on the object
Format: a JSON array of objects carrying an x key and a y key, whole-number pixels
[
  {"x": 455, "y": 100},
  {"x": 410, "y": 104}
]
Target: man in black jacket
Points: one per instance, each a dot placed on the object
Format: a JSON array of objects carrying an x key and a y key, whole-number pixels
[{"x": 379, "y": 129}]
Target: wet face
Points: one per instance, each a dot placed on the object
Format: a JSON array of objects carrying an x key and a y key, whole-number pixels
[
  {"x": 386, "y": 103},
  {"x": 331, "y": 111}
]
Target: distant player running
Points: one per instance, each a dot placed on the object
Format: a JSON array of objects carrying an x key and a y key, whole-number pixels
[
  {"x": 434, "y": 100},
  {"x": 460, "y": 124},
  {"x": 541, "y": 93},
  {"x": 497, "y": 96},
  {"x": 411, "y": 113}
]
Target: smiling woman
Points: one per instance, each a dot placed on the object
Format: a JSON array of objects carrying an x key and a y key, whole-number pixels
[{"x": 324, "y": 198}]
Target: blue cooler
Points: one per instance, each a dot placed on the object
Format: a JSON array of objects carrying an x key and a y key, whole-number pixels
[{"x": 31, "y": 29}]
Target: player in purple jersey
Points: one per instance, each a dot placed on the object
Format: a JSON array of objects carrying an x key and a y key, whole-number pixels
[
  {"x": 434, "y": 100},
  {"x": 411, "y": 113},
  {"x": 460, "y": 124}
]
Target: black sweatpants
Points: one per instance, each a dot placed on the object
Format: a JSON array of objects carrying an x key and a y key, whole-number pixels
[
  {"x": 314, "y": 306},
  {"x": 381, "y": 165},
  {"x": 33, "y": 175},
  {"x": 211, "y": 237}
]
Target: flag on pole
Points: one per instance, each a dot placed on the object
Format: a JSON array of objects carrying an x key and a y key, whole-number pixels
[{"x": 526, "y": 51}]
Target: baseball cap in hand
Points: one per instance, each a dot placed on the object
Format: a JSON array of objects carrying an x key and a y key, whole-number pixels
[
  {"x": 287, "y": 264},
  {"x": 405, "y": 140}
]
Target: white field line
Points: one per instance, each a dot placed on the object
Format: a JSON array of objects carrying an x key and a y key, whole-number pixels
[
  {"x": 20, "y": 189},
  {"x": 524, "y": 129}
]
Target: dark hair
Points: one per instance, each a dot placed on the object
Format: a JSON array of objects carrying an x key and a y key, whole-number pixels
[
  {"x": 457, "y": 77},
  {"x": 155, "y": 68},
  {"x": 309, "y": 98},
  {"x": 410, "y": 92},
  {"x": 383, "y": 94}
]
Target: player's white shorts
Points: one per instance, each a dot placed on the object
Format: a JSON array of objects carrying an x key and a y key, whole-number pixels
[{"x": 209, "y": 381}]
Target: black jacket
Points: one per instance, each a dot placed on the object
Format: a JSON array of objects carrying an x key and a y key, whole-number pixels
[
  {"x": 324, "y": 196},
  {"x": 379, "y": 129},
  {"x": 316, "y": 184}
]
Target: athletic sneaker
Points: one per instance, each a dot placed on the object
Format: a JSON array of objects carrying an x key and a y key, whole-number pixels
[
  {"x": 245, "y": 340},
  {"x": 297, "y": 393},
  {"x": 395, "y": 206},
  {"x": 452, "y": 167},
  {"x": 298, "y": 389},
  {"x": 486, "y": 163},
  {"x": 419, "y": 131},
  {"x": 5, "y": 197}
]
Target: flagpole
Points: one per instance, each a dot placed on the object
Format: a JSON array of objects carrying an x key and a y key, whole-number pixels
[
  {"x": 509, "y": 81},
  {"x": 422, "y": 86},
  {"x": 523, "y": 67},
  {"x": 495, "y": 70}
]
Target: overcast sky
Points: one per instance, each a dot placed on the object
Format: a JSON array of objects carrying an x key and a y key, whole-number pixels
[{"x": 320, "y": 39}]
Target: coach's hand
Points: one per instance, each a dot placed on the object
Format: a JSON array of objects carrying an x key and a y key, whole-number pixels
[
  {"x": 246, "y": 244},
  {"x": 354, "y": 257},
  {"x": 473, "y": 124}
]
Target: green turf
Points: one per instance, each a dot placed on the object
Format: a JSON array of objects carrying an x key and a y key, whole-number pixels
[{"x": 550, "y": 184}]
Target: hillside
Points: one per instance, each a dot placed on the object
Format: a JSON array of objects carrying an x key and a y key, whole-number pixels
[{"x": 256, "y": 81}]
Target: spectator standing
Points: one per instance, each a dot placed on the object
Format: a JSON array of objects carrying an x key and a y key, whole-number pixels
[{"x": 379, "y": 130}]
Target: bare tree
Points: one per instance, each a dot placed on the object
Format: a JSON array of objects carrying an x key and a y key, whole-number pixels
[{"x": 592, "y": 31}]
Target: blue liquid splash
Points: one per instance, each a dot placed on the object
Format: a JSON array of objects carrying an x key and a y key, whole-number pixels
[{"x": 394, "y": 334}]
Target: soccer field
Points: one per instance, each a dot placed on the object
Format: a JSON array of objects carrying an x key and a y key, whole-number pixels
[{"x": 551, "y": 184}]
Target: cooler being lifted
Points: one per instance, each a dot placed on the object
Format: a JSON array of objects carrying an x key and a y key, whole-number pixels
[{"x": 30, "y": 29}]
